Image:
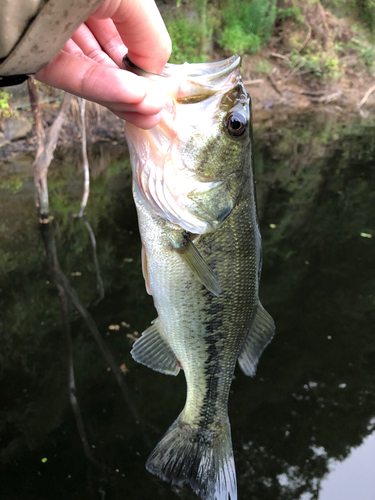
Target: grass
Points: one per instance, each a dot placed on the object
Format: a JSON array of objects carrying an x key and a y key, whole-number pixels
[
  {"x": 197, "y": 28},
  {"x": 5, "y": 108}
]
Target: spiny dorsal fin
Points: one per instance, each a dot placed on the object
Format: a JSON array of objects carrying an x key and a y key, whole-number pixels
[
  {"x": 153, "y": 350},
  {"x": 260, "y": 335},
  {"x": 193, "y": 258}
]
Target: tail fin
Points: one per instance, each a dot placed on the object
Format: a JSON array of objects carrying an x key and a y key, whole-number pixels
[{"x": 201, "y": 458}]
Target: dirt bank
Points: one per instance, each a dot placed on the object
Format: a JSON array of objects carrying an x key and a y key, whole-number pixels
[
  {"x": 279, "y": 91},
  {"x": 277, "y": 96}
]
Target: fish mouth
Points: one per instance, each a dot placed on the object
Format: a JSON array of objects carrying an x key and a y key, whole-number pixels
[
  {"x": 190, "y": 83},
  {"x": 205, "y": 73},
  {"x": 210, "y": 71}
]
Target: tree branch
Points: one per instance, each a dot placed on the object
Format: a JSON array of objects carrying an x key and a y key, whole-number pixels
[{"x": 46, "y": 147}]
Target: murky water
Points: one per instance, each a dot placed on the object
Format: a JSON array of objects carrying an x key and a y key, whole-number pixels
[{"x": 303, "y": 428}]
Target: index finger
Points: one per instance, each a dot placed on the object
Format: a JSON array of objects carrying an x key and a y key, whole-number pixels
[{"x": 142, "y": 30}]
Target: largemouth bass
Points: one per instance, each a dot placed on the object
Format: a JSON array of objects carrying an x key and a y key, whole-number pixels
[{"x": 201, "y": 259}]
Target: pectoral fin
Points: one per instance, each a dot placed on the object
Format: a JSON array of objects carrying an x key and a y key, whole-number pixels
[
  {"x": 153, "y": 350},
  {"x": 260, "y": 335},
  {"x": 193, "y": 258}
]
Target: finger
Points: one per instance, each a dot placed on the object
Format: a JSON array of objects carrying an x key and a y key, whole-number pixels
[
  {"x": 141, "y": 121},
  {"x": 148, "y": 106},
  {"x": 108, "y": 37},
  {"x": 72, "y": 48},
  {"x": 99, "y": 83},
  {"x": 86, "y": 41},
  {"x": 142, "y": 29}
]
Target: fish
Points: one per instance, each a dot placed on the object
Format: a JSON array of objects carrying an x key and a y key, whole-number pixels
[{"x": 194, "y": 193}]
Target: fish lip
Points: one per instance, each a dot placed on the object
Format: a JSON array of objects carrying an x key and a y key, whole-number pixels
[
  {"x": 196, "y": 71},
  {"x": 213, "y": 70},
  {"x": 206, "y": 78}
]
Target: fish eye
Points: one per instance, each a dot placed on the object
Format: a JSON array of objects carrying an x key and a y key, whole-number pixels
[{"x": 236, "y": 124}]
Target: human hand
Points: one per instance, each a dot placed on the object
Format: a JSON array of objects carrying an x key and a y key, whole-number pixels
[{"x": 90, "y": 63}]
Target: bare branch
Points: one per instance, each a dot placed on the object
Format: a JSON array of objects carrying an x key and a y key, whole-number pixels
[
  {"x": 99, "y": 281},
  {"x": 85, "y": 163},
  {"x": 72, "y": 384},
  {"x": 308, "y": 36},
  {"x": 54, "y": 131},
  {"x": 365, "y": 97},
  {"x": 328, "y": 45},
  {"x": 46, "y": 147},
  {"x": 85, "y": 196},
  {"x": 274, "y": 84},
  {"x": 279, "y": 56},
  {"x": 35, "y": 108},
  {"x": 253, "y": 82}
]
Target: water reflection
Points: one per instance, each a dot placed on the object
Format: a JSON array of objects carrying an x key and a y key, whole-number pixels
[
  {"x": 313, "y": 398},
  {"x": 354, "y": 477}
]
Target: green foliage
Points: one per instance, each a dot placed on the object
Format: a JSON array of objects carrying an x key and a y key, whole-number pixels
[
  {"x": 290, "y": 12},
  {"x": 235, "y": 40},
  {"x": 262, "y": 66},
  {"x": 363, "y": 9},
  {"x": 365, "y": 52},
  {"x": 317, "y": 62},
  {"x": 13, "y": 183},
  {"x": 368, "y": 56},
  {"x": 186, "y": 39},
  {"x": 247, "y": 26},
  {"x": 5, "y": 109},
  {"x": 368, "y": 7}
]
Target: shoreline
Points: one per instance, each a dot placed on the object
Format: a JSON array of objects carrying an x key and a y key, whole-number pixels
[{"x": 272, "y": 100}]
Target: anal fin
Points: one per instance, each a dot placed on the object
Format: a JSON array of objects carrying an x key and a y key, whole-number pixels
[
  {"x": 153, "y": 350},
  {"x": 261, "y": 331}
]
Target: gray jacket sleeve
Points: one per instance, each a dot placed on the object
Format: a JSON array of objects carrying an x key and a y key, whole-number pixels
[{"x": 32, "y": 32}]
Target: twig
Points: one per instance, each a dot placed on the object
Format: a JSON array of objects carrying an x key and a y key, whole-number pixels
[
  {"x": 328, "y": 39},
  {"x": 279, "y": 56},
  {"x": 46, "y": 147},
  {"x": 85, "y": 197},
  {"x": 314, "y": 93},
  {"x": 35, "y": 108},
  {"x": 99, "y": 281},
  {"x": 308, "y": 36},
  {"x": 72, "y": 384},
  {"x": 365, "y": 97},
  {"x": 253, "y": 82},
  {"x": 274, "y": 85},
  {"x": 326, "y": 98},
  {"x": 85, "y": 163}
]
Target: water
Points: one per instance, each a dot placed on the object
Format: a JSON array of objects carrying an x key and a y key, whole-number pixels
[{"x": 302, "y": 429}]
